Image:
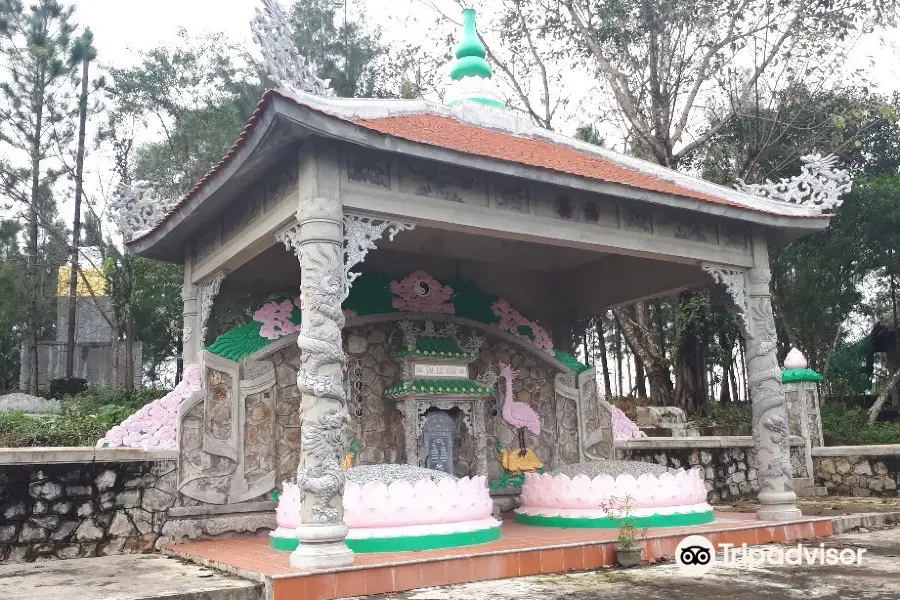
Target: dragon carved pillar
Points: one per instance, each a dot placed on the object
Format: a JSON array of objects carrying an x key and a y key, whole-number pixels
[
  {"x": 317, "y": 239},
  {"x": 770, "y": 424}
]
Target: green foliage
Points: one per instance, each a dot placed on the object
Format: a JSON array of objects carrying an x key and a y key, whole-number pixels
[
  {"x": 844, "y": 425},
  {"x": 725, "y": 414},
  {"x": 85, "y": 418},
  {"x": 349, "y": 54}
]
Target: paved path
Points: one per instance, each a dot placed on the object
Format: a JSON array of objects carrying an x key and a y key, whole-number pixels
[
  {"x": 877, "y": 579},
  {"x": 127, "y": 577}
]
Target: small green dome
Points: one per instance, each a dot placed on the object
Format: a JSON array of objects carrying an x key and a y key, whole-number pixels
[
  {"x": 798, "y": 375},
  {"x": 471, "y": 52}
]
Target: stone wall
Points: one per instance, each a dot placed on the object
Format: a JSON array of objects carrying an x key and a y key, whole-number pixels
[
  {"x": 377, "y": 421},
  {"x": 77, "y": 502},
  {"x": 858, "y": 470},
  {"x": 729, "y": 464}
]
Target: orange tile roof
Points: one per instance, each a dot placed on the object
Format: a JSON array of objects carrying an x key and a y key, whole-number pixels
[
  {"x": 449, "y": 133},
  {"x": 446, "y": 132}
]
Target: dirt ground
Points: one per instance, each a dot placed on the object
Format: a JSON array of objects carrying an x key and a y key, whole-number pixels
[{"x": 825, "y": 507}]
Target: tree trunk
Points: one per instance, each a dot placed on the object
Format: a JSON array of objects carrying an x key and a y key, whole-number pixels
[
  {"x": 639, "y": 335},
  {"x": 618, "y": 352},
  {"x": 33, "y": 267},
  {"x": 883, "y": 396},
  {"x": 604, "y": 359},
  {"x": 76, "y": 222},
  {"x": 129, "y": 350},
  {"x": 640, "y": 376}
]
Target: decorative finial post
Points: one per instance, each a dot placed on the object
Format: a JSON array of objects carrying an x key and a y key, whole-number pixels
[
  {"x": 801, "y": 395},
  {"x": 471, "y": 73}
]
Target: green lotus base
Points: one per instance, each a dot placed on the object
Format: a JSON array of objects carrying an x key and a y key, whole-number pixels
[
  {"x": 283, "y": 544},
  {"x": 424, "y": 542},
  {"x": 675, "y": 520}
]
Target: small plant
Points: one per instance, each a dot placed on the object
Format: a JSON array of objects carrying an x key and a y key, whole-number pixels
[{"x": 628, "y": 552}]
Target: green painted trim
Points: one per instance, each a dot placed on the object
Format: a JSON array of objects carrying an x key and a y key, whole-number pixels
[
  {"x": 488, "y": 102},
  {"x": 283, "y": 544},
  {"x": 799, "y": 375},
  {"x": 440, "y": 387},
  {"x": 676, "y": 520},
  {"x": 470, "y": 66},
  {"x": 424, "y": 542}
]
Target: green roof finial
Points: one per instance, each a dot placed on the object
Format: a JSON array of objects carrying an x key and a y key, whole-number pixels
[{"x": 471, "y": 73}]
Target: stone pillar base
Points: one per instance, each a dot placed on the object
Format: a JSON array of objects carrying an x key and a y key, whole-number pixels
[
  {"x": 778, "y": 507},
  {"x": 321, "y": 547}
]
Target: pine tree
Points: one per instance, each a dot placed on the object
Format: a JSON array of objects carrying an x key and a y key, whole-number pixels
[{"x": 35, "y": 42}]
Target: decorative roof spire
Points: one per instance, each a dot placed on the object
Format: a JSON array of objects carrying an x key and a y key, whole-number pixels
[{"x": 471, "y": 73}]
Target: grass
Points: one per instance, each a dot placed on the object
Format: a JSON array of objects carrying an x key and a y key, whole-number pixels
[{"x": 84, "y": 419}]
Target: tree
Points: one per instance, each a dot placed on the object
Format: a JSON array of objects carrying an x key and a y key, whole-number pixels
[
  {"x": 349, "y": 54},
  {"x": 35, "y": 42},
  {"x": 13, "y": 301},
  {"x": 82, "y": 53}
]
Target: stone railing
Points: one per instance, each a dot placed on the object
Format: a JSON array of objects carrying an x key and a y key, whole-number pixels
[
  {"x": 729, "y": 466},
  {"x": 858, "y": 470},
  {"x": 77, "y": 502}
]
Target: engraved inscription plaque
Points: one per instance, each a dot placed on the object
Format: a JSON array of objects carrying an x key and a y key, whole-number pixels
[{"x": 438, "y": 437}]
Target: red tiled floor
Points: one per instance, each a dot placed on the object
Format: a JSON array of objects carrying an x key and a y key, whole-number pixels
[{"x": 522, "y": 550}]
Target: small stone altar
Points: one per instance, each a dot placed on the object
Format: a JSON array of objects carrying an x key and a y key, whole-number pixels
[{"x": 435, "y": 393}]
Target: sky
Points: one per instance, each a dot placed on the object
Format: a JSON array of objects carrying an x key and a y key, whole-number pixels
[{"x": 123, "y": 29}]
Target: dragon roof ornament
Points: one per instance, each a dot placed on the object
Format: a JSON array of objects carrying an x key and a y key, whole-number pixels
[
  {"x": 820, "y": 184},
  {"x": 137, "y": 208},
  {"x": 282, "y": 61}
]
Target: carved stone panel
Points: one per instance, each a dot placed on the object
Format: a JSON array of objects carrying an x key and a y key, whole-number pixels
[
  {"x": 437, "y": 434},
  {"x": 733, "y": 234},
  {"x": 442, "y": 183},
  {"x": 368, "y": 168},
  {"x": 241, "y": 213},
  {"x": 280, "y": 181},
  {"x": 683, "y": 225},
  {"x": 510, "y": 195},
  {"x": 635, "y": 217}
]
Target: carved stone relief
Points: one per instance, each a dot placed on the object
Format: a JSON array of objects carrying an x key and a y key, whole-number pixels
[
  {"x": 637, "y": 218},
  {"x": 735, "y": 282},
  {"x": 508, "y": 195},
  {"x": 688, "y": 226},
  {"x": 369, "y": 168},
  {"x": 452, "y": 185}
]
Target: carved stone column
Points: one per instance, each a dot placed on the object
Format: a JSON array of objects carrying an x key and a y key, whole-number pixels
[
  {"x": 318, "y": 242},
  {"x": 770, "y": 424},
  {"x": 190, "y": 346}
]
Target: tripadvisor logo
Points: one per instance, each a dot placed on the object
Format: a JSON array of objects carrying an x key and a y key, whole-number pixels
[{"x": 696, "y": 555}]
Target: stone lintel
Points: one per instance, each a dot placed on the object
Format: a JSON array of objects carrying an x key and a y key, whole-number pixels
[
  {"x": 871, "y": 450},
  {"x": 46, "y": 456},
  {"x": 673, "y": 443},
  {"x": 221, "y": 509}
]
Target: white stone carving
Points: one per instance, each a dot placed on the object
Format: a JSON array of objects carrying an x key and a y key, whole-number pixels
[
  {"x": 137, "y": 209},
  {"x": 207, "y": 292},
  {"x": 360, "y": 234},
  {"x": 820, "y": 184},
  {"x": 290, "y": 237},
  {"x": 735, "y": 282},
  {"x": 187, "y": 334},
  {"x": 282, "y": 61}
]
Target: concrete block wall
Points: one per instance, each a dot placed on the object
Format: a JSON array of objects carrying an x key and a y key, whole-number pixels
[{"x": 79, "y": 502}]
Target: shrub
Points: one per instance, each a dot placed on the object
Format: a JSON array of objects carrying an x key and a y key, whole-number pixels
[
  {"x": 84, "y": 420},
  {"x": 725, "y": 414},
  {"x": 844, "y": 425}
]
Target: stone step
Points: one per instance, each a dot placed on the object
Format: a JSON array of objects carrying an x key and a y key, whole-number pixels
[
  {"x": 805, "y": 487},
  {"x": 123, "y": 577}
]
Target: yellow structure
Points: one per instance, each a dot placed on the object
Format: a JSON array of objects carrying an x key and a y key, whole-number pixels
[
  {"x": 513, "y": 462},
  {"x": 95, "y": 286}
]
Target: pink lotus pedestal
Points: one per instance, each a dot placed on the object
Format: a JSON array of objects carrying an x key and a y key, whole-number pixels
[{"x": 668, "y": 499}]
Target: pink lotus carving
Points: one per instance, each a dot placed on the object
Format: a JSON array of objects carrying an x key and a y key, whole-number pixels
[
  {"x": 420, "y": 292},
  {"x": 154, "y": 426},
  {"x": 544, "y": 491},
  {"x": 402, "y": 504},
  {"x": 287, "y": 515},
  {"x": 276, "y": 319},
  {"x": 511, "y": 320},
  {"x": 623, "y": 427}
]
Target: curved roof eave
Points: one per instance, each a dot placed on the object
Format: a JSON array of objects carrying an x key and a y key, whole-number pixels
[{"x": 261, "y": 142}]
